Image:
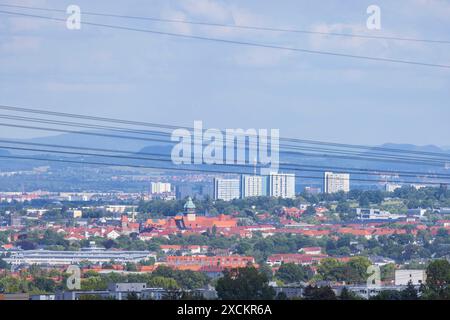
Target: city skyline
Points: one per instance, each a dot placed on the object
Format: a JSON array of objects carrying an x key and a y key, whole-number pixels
[{"x": 251, "y": 152}]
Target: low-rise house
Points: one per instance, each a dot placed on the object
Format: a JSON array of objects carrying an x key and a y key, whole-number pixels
[
  {"x": 416, "y": 277},
  {"x": 297, "y": 258},
  {"x": 311, "y": 250}
]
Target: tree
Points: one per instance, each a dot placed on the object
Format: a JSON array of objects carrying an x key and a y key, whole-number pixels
[
  {"x": 388, "y": 295},
  {"x": 343, "y": 207},
  {"x": 438, "y": 280},
  {"x": 244, "y": 284},
  {"x": 163, "y": 282},
  {"x": 410, "y": 293},
  {"x": 319, "y": 293},
  {"x": 132, "y": 296},
  {"x": 130, "y": 266},
  {"x": 348, "y": 295},
  {"x": 290, "y": 272},
  {"x": 43, "y": 284},
  {"x": 310, "y": 211},
  {"x": 3, "y": 264}
]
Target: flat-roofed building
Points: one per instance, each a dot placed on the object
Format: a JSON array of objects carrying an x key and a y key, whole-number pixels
[
  {"x": 160, "y": 187},
  {"x": 253, "y": 186},
  {"x": 226, "y": 189},
  {"x": 336, "y": 182},
  {"x": 282, "y": 185},
  {"x": 416, "y": 277},
  {"x": 61, "y": 258}
]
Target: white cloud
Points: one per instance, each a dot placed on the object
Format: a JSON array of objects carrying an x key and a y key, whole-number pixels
[
  {"x": 183, "y": 28},
  {"x": 214, "y": 10}
]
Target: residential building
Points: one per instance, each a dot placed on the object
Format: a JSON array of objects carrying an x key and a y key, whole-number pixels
[
  {"x": 160, "y": 187},
  {"x": 417, "y": 212},
  {"x": 61, "y": 258},
  {"x": 376, "y": 214},
  {"x": 416, "y": 277},
  {"x": 366, "y": 292},
  {"x": 282, "y": 185},
  {"x": 253, "y": 186},
  {"x": 195, "y": 263},
  {"x": 226, "y": 189},
  {"x": 335, "y": 182},
  {"x": 391, "y": 187},
  {"x": 297, "y": 258}
]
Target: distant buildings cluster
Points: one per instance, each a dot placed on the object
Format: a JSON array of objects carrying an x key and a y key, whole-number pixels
[{"x": 279, "y": 185}]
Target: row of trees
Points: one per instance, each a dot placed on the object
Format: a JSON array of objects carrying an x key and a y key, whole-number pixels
[{"x": 249, "y": 283}]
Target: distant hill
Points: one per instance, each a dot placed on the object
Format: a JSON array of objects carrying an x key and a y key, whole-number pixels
[
  {"x": 93, "y": 141},
  {"x": 411, "y": 147},
  {"x": 300, "y": 160}
]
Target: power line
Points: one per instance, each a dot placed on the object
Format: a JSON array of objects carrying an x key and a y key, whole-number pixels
[
  {"x": 379, "y": 159},
  {"x": 165, "y": 156},
  {"x": 164, "y": 134},
  {"x": 366, "y": 156},
  {"x": 234, "y": 26},
  {"x": 285, "y": 166},
  {"x": 189, "y": 170},
  {"x": 172, "y": 127},
  {"x": 243, "y": 43}
]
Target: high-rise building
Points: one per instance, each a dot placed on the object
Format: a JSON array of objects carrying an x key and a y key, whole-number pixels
[
  {"x": 282, "y": 185},
  {"x": 253, "y": 186},
  {"x": 226, "y": 189},
  {"x": 335, "y": 182},
  {"x": 160, "y": 187}
]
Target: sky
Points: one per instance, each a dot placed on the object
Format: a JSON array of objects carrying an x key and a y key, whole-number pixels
[{"x": 157, "y": 78}]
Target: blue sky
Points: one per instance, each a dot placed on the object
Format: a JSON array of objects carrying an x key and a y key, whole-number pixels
[{"x": 176, "y": 81}]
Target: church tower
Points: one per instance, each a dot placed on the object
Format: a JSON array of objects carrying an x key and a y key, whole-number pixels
[{"x": 189, "y": 207}]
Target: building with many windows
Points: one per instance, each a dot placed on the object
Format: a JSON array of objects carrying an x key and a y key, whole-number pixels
[
  {"x": 160, "y": 187},
  {"x": 253, "y": 186},
  {"x": 336, "y": 182},
  {"x": 282, "y": 185},
  {"x": 62, "y": 258},
  {"x": 226, "y": 189}
]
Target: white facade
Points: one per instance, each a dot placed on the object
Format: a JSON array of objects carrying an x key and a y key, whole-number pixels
[
  {"x": 391, "y": 187},
  {"x": 252, "y": 186},
  {"x": 226, "y": 189},
  {"x": 335, "y": 182},
  {"x": 282, "y": 185},
  {"x": 160, "y": 187},
  {"x": 403, "y": 277},
  {"x": 376, "y": 214},
  {"x": 60, "y": 258}
]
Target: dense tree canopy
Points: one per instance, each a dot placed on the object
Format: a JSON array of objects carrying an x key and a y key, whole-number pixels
[{"x": 244, "y": 284}]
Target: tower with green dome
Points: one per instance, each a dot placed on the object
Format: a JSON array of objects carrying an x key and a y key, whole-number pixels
[{"x": 189, "y": 206}]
